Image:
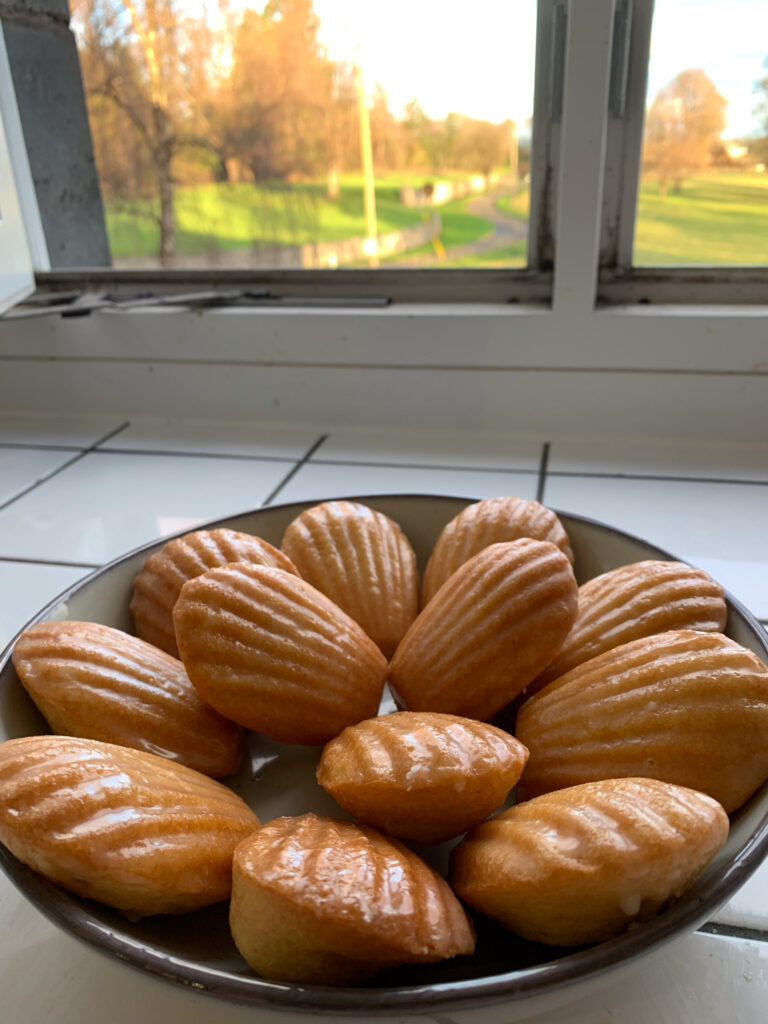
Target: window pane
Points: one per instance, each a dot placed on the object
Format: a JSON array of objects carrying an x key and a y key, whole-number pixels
[
  {"x": 311, "y": 133},
  {"x": 703, "y": 195}
]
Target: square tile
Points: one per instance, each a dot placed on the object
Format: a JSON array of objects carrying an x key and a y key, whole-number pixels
[
  {"x": 107, "y": 504},
  {"x": 329, "y": 480},
  {"x": 20, "y": 468},
  {"x": 718, "y": 527},
  {"x": 465, "y": 449},
  {"x": 208, "y": 437},
  {"x": 27, "y": 587},
  {"x": 622, "y": 457},
  {"x": 56, "y": 431}
]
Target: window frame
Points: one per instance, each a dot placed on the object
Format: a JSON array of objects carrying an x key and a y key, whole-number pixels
[{"x": 578, "y": 316}]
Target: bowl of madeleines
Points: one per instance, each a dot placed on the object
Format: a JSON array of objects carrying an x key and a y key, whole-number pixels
[{"x": 387, "y": 756}]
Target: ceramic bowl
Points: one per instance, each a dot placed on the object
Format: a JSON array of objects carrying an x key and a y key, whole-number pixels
[{"x": 507, "y": 978}]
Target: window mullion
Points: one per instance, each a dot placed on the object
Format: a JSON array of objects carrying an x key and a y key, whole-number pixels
[{"x": 582, "y": 154}]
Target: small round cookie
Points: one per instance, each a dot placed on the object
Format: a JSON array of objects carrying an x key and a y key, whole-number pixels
[
  {"x": 634, "y": 601},
  {"x": 485, "y": 522},
  {"x": 580, "y": 865},
  {"x": 316, "y": 901},
  {"x": 120, "y": 826},
  {"x": 363, "y": 561},
  {"x": 97, "y": 682},
  {"x": 158, "y": 585},
  {"x": 491, "y": 628},
  {"x": 682, "y": 706},
  {"x": 421, "y": 776},
  {"x": 269, "y": 651}
]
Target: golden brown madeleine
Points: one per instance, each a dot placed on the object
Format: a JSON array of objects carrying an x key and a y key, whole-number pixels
[
  {"x": 321, "y": 901},
  {"x": 489, "y": 630},
  {"x": 634, "y": 601},
  {"x": 157, "y": 587},
  {"x": 98, "y": 682},
  {"x": 421, "y": 776},
  {"x": 268, "y": 650},
  {"x": 686, "y": 707},
  {"x": 363, "y": 561},
  {"x": 120, "y": 826},
  {"x": 488, "y": 522},
  {"x": 578, "y": 866}
]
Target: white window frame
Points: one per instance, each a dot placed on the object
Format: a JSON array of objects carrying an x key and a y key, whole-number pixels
[{"x": 579, "y": 329}]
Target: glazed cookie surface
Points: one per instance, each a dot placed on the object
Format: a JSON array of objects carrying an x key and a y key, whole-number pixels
[
  {"x": 485, "y": 522},
  {"x": 580, "y": 865},
  {"x": 683, "y": 706},
  {"x": 493, "y": 626},
  {"x": 157, "y": 587},
  {"x": 421, "y": 776},
  {"x": 362, "y": 561},
  {"x": 269, "y": 651},
  {"x": 321, "y": 901},
  {"x": 97, "y": 682},
  {"x": 120, "y": 826}
]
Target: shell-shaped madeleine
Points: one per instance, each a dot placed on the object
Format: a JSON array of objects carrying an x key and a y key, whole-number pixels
[
  {"x": 121, "y": 826},
  {"x": 485, "y": 522},
  {"x": 321, "y": 901},
  {"x": 269, "y": 651},
  {"x": 97, "y": 682},
  {"x": 158, "y": 585},
  {"x": 683, "y": 706},
  {"x": 578, "y": 866},
  {"x": 363, "y": 561},
  {"x": 421, "y": 776},
  {"x": 634, "y": 601},
  {"x": 490, "y": 629}
]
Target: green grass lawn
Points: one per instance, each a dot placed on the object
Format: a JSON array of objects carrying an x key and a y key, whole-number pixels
[
  {"x": 717, "y": 218},
  {"x": 220, "y": 217}
]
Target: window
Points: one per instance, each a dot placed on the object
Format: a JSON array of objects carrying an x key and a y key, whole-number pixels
[
  {"x": 16, "y": 277},
  {"x": 324, "y": 134}
]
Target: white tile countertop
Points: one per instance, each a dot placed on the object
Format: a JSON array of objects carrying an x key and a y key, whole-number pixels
[{"x": 76, "y": 492}]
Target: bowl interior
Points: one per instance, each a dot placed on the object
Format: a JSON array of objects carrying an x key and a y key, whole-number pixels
[{"x": 196, "y": 949}]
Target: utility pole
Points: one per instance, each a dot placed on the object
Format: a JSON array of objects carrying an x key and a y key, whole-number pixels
[{"x": 369, "y": 188}]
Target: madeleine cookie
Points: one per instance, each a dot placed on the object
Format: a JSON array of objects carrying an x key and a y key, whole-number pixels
[
  {"x": 269, "y": 651},
  {"x": 634, "y": 601},
  {"x": 489, "y": 630},
  {"x": 98, "y": 682},
  {"x": 157, "y": 587},
  {"x": 686, "y": 707},
  {"x": 320, "y": 901},
  {"x": 489, "y": 521},
  {"x": 120, "y": 826},
  {"x": 363, "y": 561},
  {"x": 421, "y": 776},
  {"x": 578, "y": 866}
]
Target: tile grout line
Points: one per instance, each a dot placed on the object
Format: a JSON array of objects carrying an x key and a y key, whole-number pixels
[
  {"x": 292, "y": 472},
  {"x": 543, "y": 464},
  {"x": 60, "y": 469},
  {"x": 594, "y": 474},
  {"x": 419, "y": 465},
  {"x": 49, "y": 561},
  {"x": 733, "y": 931},
  {"x": 190, "y": 455}
]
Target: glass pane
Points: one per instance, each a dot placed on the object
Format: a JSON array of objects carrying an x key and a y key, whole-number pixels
[
  {"x": 295, "y": 133},
  {"x": 704, "y": 184}
]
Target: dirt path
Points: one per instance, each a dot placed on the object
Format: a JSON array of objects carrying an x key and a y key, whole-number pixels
[{"x": 506, "y": 229}]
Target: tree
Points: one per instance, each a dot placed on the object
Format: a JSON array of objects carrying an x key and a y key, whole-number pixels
[
  {"x": 280, "y": 91},
  {"x": 135, "y": 57},
  {"x": 684, "y": 121}
]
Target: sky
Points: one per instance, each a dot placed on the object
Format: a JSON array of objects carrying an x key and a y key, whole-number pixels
[{"x": 476, "y": 57}]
